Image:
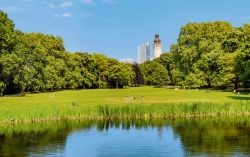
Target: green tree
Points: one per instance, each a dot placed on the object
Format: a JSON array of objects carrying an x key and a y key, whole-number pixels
[
  {"x": 245, "y": 77},
  {"x": 200, "y": 51},
  {"x": 7, "y": 43},
  {"x": 7, "y": 34},
  {"x": 120, "y": 74},
  {"x": 225, "y": 76},
  {"x": 102, "y": 65},
  {"x": 138, "y": 79},
  {"x": 54, "y": 73},
  {"x": 73, "y": 76},
  {"x": 195, "y": 80},
  {"x": 88, "y": 70},
  {"x": 26, "y": 68},
  {"x": 167, "y": 60},
  {"x": 243, "y": 56},
  {"x": 155, "y": 74}
]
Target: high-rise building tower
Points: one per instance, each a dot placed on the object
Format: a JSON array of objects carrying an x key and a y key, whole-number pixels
[
  {"x": 157, "y": 46},
  {"x": 143, "y": 53}
]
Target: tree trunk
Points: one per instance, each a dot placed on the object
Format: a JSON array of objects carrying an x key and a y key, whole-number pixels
[
  {"x": 236, "y": 85},
  {"x": 22, "y": 92}
]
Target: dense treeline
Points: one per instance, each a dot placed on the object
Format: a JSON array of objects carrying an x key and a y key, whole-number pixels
[
  {"x": 213, "y": 54},
  {"x": 37, "y": 62}
]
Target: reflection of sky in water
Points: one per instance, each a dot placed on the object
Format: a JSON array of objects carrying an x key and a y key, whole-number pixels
[
  {"x": 180, "y": 139},
  {"x": 118, "y": 142}
]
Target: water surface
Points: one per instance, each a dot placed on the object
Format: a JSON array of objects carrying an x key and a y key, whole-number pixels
[{"x": 128, "y": 138}]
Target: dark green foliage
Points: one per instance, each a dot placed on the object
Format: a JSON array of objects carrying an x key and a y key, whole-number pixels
[
  {"x": 243, "y": 57},
  {"x": 7, "y": 37},
  {"x": 246, "y": 75},
  {"x": 138, "y": 79},
  {"x": 2, "y": 88}
]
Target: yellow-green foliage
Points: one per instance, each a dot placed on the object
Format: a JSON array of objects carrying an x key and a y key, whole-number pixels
[{"x": 103, "y": 103}]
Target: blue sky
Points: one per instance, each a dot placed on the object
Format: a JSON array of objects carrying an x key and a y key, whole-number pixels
[{"x": 117, "y": 27}]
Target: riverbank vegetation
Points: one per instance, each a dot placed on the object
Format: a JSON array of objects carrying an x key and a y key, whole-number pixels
[
  {"x": 104, "y": 124},
  {"x": 206, "y": 135},
  {"x": 206, "y": 55},
  {"x": 134, "y": 103}
]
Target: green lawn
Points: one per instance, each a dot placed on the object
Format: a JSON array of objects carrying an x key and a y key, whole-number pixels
[{"x": 158, "y": 102}]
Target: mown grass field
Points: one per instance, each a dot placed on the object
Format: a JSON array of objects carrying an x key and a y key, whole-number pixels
[{"x": 99, "y": 103}]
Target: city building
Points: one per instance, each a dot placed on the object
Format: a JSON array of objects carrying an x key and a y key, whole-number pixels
[
  {"x": 157, "y": 46},
  {"x": 143, "y": 53}
]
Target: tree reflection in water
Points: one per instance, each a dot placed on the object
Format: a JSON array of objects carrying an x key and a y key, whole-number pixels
[{"x": 202, "y": 136}]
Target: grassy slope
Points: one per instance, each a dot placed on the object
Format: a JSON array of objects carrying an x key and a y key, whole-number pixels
[{"x": 113, "y": 102}]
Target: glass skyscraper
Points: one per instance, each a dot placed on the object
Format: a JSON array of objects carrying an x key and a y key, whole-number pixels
[{"x": 143, "y": 53}]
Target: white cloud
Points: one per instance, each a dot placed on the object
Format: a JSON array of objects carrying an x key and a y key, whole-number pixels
[
  {"x": 62, "y": 15},
  {"x": 51, "y": 5},
  {"x": 89, "y": 2},
  {"x": 66, "y": 15},
  {"x": 109, "y": 1},
  {"x": 66, "y": 4}
]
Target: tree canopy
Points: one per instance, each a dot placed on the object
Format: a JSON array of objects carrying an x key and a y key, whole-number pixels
[
  {"x": 38, "y": 62},
  {"x": 207, "y": 55},
  {"x": 211, "y": 54}
]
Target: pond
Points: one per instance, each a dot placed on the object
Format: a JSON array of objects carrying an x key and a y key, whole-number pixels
[{"x": 107, "y": 138}]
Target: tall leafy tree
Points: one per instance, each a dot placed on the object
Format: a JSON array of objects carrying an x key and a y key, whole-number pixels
[
  {"x": 199, "y": 52},
  {"x": 7, "y": 42},
  {"x": 54, "y": 73},
  {"x": 138, "y": 79},
  {"x": 102, "y": 65},
  {"x": 167, "y": 60},
  {"x": 246, "y": 76},
  {"x": 243, "y": 56},
  {"x": 120, "y": 74},
  {"x": 155, "y": 74},
  {"x": 7, "y": 34},
  {"x": 73, "y": 76}
]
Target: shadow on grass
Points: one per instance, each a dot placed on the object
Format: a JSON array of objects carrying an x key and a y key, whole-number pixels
[{"x": 239, "y": 97}]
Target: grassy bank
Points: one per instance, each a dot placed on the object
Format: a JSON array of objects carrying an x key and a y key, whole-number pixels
[{"x": 119, "y": 103}]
